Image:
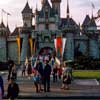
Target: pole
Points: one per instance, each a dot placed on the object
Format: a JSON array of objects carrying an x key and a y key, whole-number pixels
[
  {"x": 2, "y": 15},
  {"x": 7, "y": 19}
]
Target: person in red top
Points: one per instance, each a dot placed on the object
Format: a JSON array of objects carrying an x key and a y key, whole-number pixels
[{"x": 59, "y": 71}]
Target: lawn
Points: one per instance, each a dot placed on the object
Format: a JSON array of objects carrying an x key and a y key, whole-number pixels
[{"x": 86, "y": 74}]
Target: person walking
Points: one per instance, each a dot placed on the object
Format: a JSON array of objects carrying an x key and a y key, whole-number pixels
[
  {"x": 37, "y": 80},
  {"x": 29, "y": 70},
  {"x": 39, "y": 68},
  {"x": 12, "y": 90},
  {"x": 23, "y": 69},
  {"x": 10, "y": 65},
  {"x": 1, "y": 96},
  {"x": 55, "y": 74},
  {"x": 1, "y": 88},
  {"x": 59, "y": 71},
  {"x": 46, "y": 75},
  {"x": 52, "y": 61},
  {"x": 14, "y": 72},
  {"x": 67, "y": 76}
]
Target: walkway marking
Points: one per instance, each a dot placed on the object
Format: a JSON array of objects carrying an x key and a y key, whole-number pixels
[{"x": 90, "y": 82}]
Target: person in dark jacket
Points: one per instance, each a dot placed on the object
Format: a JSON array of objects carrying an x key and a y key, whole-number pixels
[
  {"x": 10, "y": 65},
  {"x": 39, "y": 68},
  {"x": 46, "y": 75},
  {"x": 55, "y": 74},
  {"x": 13, "y": 90},
  {"x": 2, "y": 85},
  {"x": 29, "y": 70}
]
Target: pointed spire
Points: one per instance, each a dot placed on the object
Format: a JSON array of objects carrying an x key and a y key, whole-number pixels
[
  {"x": 2, "y": 16},
  {"x": 92, "y": 22},
  {"x": 67, "y": 8},
  {"x": 45, "y": 2},
  {"x": 2, "y": 25},
  {"x": 8, "y": 30},
  {"x": 27, "y": 9},
  {"x": 86, "y": 21},
  {"x": 36, "y": 10},
  {"x": 36, "y": 7}
]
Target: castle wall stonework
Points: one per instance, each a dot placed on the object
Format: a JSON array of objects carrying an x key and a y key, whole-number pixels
[
  {"x": 3, "y": 49},
  {"x": 13, "y": 50},
  {"x": 48, "y": 26}
]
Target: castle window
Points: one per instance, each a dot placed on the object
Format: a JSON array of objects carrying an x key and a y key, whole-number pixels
[
  {"x": 47, "y": 26},
  {"x": 25, "y": 24},
  {"x": 46, "y": 38},
  {"x": 46, "y": 14}
]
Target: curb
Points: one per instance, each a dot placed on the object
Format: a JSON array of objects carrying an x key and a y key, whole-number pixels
[{"x": 54, "y": 97}]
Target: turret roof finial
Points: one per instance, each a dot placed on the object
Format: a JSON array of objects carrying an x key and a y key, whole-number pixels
[
  {"x": 36, "y": 10},
  {"x": 67, "y": 9}
]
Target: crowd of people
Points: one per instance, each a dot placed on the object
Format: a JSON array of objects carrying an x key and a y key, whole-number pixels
[{"x": 40, "y": 69}]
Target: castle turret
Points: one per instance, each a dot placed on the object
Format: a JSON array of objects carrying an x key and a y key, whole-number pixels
[
  {"x": 3, "y": 42},
  {"x": 69, "y": 28},
  {"x": 56, "y": 6},
  {"x": 26, "y": 31},
  {"x": 27, "y": 16},
  {"x": 93, "y": 38}
]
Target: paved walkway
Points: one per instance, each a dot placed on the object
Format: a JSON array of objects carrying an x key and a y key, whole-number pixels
[{"x": 77, "y": 88}]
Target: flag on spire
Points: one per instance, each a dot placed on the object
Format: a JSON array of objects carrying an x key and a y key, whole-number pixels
[
  {"x": 8, "y": 14},
  {"x": 5, "y": 12},
  {"x": 92, "y": 5}
]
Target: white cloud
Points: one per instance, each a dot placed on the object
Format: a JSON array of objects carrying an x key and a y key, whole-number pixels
[{"x": 3, "y": 2}]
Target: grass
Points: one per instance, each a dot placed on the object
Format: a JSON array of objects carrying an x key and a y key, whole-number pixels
[{"x": 86, "y": 74}]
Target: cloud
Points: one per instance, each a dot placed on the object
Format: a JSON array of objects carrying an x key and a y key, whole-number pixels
[
  {"x": 87, "y": 3},
  {"x": 4, "y": 2}
]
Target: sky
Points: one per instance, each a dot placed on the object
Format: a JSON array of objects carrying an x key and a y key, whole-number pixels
[{"x": 78, "y": 10}]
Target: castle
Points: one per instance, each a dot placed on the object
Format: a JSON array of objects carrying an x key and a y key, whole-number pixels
[{"x": 81, "y": 39}]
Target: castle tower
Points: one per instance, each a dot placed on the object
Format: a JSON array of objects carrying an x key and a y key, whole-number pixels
[
  {"x": 56, "y": 6},
  {"x": 3, "y": 42},
  {"x": 26, "y": 31},
  {"x": 27, "y": 16},
  {"x": 93, "y": 36},
  {"x": 69, "y": 32}
]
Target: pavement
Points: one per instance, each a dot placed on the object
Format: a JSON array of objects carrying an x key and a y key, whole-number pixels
[{"x": 86, "y": 89}]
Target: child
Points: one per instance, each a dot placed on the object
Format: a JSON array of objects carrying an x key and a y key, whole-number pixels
[
  {"x": 37, "y": 80},
  {"x": 23, "y": 69}
]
